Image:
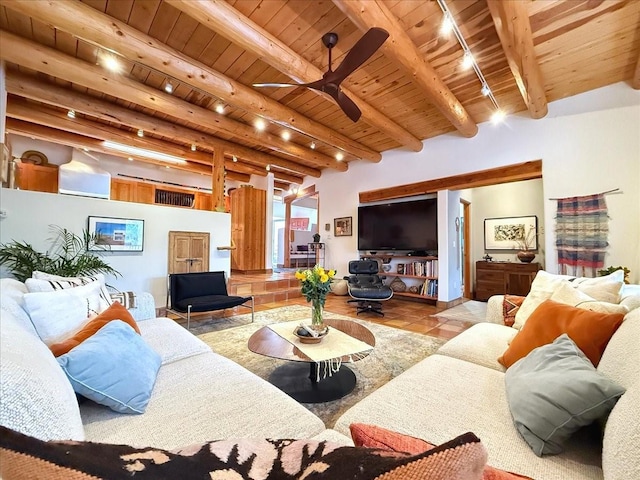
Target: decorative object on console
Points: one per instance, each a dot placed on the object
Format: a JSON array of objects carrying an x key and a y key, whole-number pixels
[
  {"x": 316, "y": 237},
  {"x": 511, "y": 233},
  {"x": 526, "y": 256},
  {"x": 316, "y": 283},
  {"x": 342, "y": 227},
  {"x": 69, "y": 255}
]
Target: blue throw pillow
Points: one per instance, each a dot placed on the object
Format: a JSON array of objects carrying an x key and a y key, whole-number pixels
[{"x": 113, "y": 367}]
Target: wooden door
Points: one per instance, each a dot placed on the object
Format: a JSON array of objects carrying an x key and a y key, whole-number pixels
[
  {"x": 188, "y": 252},
  {"x": 248, "y": 223}
]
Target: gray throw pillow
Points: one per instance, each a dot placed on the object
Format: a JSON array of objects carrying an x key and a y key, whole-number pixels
[{"x": 554, "y": 391}]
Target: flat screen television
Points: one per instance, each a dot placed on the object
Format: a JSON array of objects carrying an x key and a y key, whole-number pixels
[{"x": 399, "y": 226}]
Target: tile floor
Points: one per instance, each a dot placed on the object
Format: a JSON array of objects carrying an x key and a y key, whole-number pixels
[{"x": 408, "y": 315}]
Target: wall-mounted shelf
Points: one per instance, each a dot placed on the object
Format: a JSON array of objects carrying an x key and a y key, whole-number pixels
[{"x": 414, "y": 267}]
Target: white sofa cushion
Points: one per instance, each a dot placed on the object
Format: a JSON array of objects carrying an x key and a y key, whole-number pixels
[
  {"x": 603, "y": 289},
  {"x": 58, "y": 314},
  {"x": 171, "y": 341},
  {"x": 35, "y": 396},
  {"x": 442, "y": 397},
  {"x": 567, "y": 294},
  {"x": 481, "y": 344},
  {"x": 46, "y": 282},
  {"x": 201, "y": 398}
]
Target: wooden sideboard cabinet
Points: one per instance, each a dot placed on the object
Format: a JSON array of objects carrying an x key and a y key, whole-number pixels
[{"x": 497, "y": 278}]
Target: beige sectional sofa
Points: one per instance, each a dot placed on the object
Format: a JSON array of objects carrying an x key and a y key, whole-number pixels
[
  {"x": 461, "y": 388},
  {"x": 200, "y": 395}
]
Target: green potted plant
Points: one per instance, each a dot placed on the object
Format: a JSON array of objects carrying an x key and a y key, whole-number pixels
[
  {"x": 70, "y": 255},
  {"x": 609, "y": 270}
]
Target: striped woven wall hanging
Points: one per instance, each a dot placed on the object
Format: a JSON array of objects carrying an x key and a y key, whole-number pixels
[{"x": 582, "y": 231}]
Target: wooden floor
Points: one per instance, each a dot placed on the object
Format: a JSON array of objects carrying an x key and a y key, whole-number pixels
[{"x": 414, "y": 316}]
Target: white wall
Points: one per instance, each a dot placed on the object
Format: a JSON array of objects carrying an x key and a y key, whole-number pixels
[
  {"x": 29, "y": 215},
  {"x": 588, "y": 144}
]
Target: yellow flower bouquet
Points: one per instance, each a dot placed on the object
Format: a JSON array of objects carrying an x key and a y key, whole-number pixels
[{"x": 316, "y": 283}]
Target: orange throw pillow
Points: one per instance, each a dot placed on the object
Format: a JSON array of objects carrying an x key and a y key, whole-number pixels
[
  {"x": 589, "y": 330},
  {"x": 371, "y": 436},
  {"x": 115, "y": 312}
]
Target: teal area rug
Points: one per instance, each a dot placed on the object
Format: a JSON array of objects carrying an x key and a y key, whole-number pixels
[{"x": 395, "y": 351}]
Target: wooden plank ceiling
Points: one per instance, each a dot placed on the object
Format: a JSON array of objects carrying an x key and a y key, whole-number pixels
[{"x": 411, "y": 89}]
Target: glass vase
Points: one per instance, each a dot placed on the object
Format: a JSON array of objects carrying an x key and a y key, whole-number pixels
[{"x": 317, "y": 321}]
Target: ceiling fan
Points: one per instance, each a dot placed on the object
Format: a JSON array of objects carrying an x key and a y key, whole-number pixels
[{"x": 330, "y": 81}]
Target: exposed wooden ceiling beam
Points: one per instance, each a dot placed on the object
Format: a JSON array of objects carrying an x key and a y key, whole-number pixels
[
  {"x": 224, "y": 19},
  {"x": 493, "y": 176},
  {"x": 281, "y": 186},
  {"x": 635, "y": 81},
  {"x": 52, "y": 62},
  {"x": 49, "y": 117},
  {"x": 511, "y": 20},
  {"x": 109, "y": 33},
  {"x": 26, "y": 129},
  {"x": 29, "y": 87},
  {"x": 399, "y": 48}
]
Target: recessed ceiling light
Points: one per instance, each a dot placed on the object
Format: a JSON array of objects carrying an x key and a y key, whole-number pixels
[
  {"x": 219, "y": 108},
  {"x": 286, "y": 135},
  {"x": 193, "y": 147},
  {"x": 71, "y": 114},
  {"x": 313, "y": 145},
  {"x": 260, "y": 124},
  {"x": 168, "y": 87},
  {"x": 339, "y": 156},
  {"x": 141, "y": 133},
  {"x": 130, "y": 159}
]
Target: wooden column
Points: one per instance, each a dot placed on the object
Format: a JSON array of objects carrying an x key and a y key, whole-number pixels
[{"x": 217, "y": 179}]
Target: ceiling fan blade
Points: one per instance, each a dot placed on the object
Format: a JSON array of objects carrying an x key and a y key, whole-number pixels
[
  {"x": 348, "y": 106},
  {"x": 277, "y": 85},
  {"x": 360, "y": 53}
]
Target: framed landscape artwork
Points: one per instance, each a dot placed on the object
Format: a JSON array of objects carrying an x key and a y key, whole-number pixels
[
  {"x": 511, "y": 233},
  {"x": 342, "y": 227},
  {"x": 121, "y": 234}
]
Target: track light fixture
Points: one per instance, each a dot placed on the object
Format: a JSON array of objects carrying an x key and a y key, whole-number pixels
[
  {"x": 313, "y": 145},
  {"x": 219, "y": 108},
  {"x": 468, "y": 61},
  {"x": 193, "y": 147},
  {"x": 71, "y": 114},
  {"x": 168, "y": 87},
  {"x": 234, "y": 158},
  {"x": 339, "y": 156},
  {"x": 268, "y": 168},
  {"x": 140, "y": 132}
]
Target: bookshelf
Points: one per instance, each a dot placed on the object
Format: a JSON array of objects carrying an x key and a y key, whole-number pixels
[{"x": 419, "y": 271}]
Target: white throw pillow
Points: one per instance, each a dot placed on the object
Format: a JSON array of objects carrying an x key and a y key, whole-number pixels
[
  {"x": 603, "y": 289},
  {"x": 46, "y": 282},
  {"x": 567, "y": 294},
  {"x": 58, "y": 314}
]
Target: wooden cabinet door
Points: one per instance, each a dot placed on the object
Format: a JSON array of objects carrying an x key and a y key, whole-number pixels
[
  {"x": 37, "y": 178},
  {"x": 203, "y": 201},
  {"x": 188, "y": 252},
  {"x": 123, "y": 190},
  {"x": 519, "y": 279},
  {"x": 145, "y": 193}
]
